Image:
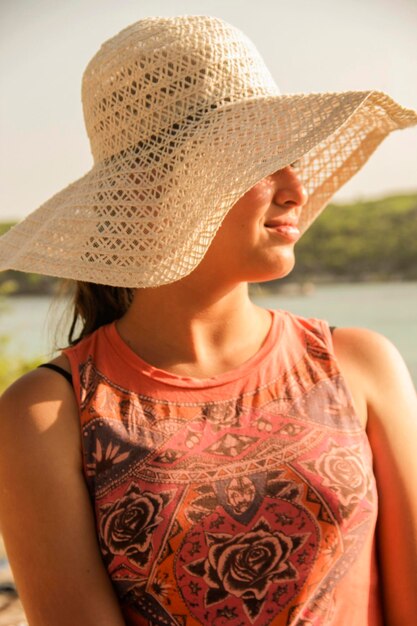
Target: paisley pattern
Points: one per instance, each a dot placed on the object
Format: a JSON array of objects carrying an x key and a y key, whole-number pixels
[{"x": 250, "y": 501}]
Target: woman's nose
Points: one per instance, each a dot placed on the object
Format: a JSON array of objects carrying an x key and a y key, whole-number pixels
[{"x": 290, "y": 191}]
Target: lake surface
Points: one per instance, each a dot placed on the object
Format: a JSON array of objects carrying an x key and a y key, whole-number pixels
[{"x": 389, "y": 308}]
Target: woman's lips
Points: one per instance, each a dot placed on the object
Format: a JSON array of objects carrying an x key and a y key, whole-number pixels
[{"x": 287, "y": 231}]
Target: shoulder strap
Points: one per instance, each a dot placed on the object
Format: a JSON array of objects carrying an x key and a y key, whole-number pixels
[{"x": 58, "y": 369}]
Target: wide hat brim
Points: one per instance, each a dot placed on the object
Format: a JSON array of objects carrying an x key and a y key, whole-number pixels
[{"x": 142, "y": 226}]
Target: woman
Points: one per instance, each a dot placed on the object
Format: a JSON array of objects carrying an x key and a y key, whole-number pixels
[{"x": 211, "y": 461}]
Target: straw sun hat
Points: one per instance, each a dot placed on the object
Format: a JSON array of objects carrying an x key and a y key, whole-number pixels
[{"x": 183, "y": 118}]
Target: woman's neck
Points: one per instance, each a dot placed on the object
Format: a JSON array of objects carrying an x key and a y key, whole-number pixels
[{"x": 187, "y": 330}]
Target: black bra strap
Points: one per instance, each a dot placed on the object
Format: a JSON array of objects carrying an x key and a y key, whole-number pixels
[{"x": 58, "y": 369}]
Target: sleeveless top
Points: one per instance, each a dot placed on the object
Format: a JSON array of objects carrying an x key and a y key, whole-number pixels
[{"x": 245, "y": 498}]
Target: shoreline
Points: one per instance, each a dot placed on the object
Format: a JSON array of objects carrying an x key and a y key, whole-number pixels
[{"x": 282, "y": 286}]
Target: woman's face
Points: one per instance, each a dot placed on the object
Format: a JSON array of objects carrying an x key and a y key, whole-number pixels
[{"x": 256, "y": 240}]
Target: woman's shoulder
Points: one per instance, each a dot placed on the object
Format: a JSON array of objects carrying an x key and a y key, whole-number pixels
[
  {"x": 374, "y": 370},
  {"x": 40, "y": 403},
  {"x": 41, "y": 382},
  {"x": 370, "y": 354}
]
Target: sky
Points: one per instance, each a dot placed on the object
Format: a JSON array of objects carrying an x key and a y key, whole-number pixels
[{"x": 309, "y": 46}]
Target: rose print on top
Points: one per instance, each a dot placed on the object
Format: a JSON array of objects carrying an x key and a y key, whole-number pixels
[
  {"x": 244, "y": 565},
  {"x": 343, "y": 472},
  {"x": 222, "y": 415},
  {"x": 126, "y": 526}
]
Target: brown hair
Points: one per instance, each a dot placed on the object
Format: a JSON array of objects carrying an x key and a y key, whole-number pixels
[{"x": 95, "y": 305}]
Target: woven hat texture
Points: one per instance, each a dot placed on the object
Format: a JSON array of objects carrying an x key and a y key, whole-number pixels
[{"x": 183, "y": 118}]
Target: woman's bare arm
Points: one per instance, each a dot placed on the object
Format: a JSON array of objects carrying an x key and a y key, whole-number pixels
[
  {"x": 45, "y": 513},
  {"x": 376, "y": 368}
]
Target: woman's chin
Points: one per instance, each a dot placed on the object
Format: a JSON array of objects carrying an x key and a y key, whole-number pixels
[
  {"x": 274, "y": 271},
  {"x": 275, "y": 276}
]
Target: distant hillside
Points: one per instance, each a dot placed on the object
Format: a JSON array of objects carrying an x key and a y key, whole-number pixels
[
  {"x": 4, "y": 226},
  {"x": 372, "y": 240}
]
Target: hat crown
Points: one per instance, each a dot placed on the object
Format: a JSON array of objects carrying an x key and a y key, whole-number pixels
[{"x": 162, "y": 71}]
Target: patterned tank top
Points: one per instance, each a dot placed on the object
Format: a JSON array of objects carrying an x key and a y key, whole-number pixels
[{"x": 247, "y": 498}]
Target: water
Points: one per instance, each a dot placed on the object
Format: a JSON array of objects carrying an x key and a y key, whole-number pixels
[
  {"x": 30, "y": 324},
  {"x": 389, "y": 308}
]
